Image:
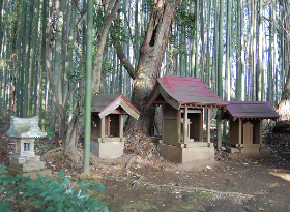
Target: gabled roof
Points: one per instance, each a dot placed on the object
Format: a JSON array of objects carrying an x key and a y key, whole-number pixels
[
  {"x": 25, "y": 128},
  {"x": 251, "y": 109},
  {"x": 105, "y": 104},
  {"x": 183, "y": 91}
]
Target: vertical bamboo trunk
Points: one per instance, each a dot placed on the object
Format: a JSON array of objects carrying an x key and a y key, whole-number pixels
[
  {"x": 181, "y": 57},
  {"x": 192, "y": 54},
  {"x": 270, "y": 62},
  {"x": 29, "y": 40},
  {"x": 71, "y": 64},
  {"x": 260, "y": 58},
  {"x": 238, "y": 52},
  {"x": 252, "y": 51},
  {"x": 208, "y": 69},
  {"x": 202, "y": 71},
  {"x": 276, "y": 64},
  {"x": 242, "y": 56},
  {"x": 228, "y": 62},
  {"x": 22, "y": 70},
  {"x": 33, "y": 72},
  {"x": 57, "y": 59},
  {"x": 88, "y": 86},
  {"x": 43, "y": 65},
  {"x": 64, "y": 59},
  {"x": 197, "y": 71},
  {"x": 220, "y": 70},
  {"x": 1, "y": 24},
  {"x": 215, "y": 45}
]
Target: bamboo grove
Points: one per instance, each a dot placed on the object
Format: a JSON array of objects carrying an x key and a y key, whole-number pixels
[{"x": 239, "y": 48}]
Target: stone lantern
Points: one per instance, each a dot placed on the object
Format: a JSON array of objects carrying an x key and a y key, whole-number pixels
[{"x": 24, "y": 161}]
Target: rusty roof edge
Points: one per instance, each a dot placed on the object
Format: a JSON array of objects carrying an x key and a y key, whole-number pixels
[
  {"x": 131, "y": 110},
  {"x": 153, "y": 95},
  {"x": 173, "y": 102},
  {"x": 110, "y": 106},
  {"x": 117, "y": 102},
  {"x": 130, "y": 104}
]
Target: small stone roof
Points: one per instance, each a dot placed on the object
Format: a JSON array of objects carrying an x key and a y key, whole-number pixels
[
  {"x": 185, "y": 91},
  {"x": 105, "y": 104},
  {"x": 251, "y": 109},
  {"x": 25, "y": 128}
]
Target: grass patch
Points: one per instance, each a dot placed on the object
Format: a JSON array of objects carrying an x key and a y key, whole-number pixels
[{"x": 135, "y": 206}]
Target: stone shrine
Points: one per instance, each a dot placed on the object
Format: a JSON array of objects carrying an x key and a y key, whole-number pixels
[{"x": 24, "y": 162}]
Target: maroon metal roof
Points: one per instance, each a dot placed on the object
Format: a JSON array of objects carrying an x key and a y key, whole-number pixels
[
  {"x": 183, "y": 90},
  {"x": 251, "y": 109},
  {"x": 108, "y": 102}
]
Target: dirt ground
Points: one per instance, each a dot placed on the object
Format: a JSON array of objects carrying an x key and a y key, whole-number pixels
[{"x": 141, "y": 180}]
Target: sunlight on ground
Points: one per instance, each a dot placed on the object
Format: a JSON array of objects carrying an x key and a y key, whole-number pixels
[{"x": 284, "y": 174}]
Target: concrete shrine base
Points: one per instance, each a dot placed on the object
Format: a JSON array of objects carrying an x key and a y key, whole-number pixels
[
  {"x": 27, "y": 166},
  {"x": 107, "y": 149},
  {"x": 181, "y": 155},
  {"x": 248, "y": 149},
  {"x": 32, "y": 175}
]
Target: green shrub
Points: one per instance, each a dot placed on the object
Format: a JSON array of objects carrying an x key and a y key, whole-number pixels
[{"x": 49, "y": 194}]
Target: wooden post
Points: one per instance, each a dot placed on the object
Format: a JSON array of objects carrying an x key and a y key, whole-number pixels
[
  {"x": 240, "y": 131},
  {"x": 208, "y": 126},
  {"x": 200, "y": 137},
  {"x": 178, "y": 119},
  {"x": 258, "y": 130},
  {"x": 109, "y": 125},
  {"x": 185, "y": 126},
  {"x": 121, "y": 125},
  {"x": 236, "y": 131},
  {"x": 163, "y": 131},
  {"x": 103, "y": 127}
]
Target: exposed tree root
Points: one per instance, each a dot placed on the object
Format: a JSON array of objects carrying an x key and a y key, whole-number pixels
[
  {"x": 189, "y": 188},
  {"x": 72, "y": 153},
  {"x": 45, "y": 155}
]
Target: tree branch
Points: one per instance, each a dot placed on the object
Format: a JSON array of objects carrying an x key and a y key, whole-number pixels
[
  {"x": 127, "y": 65},
  {"x": 69, "y": 92},
  {"x": 108, "y": 9},
  {"x": 113, "y": 12}
]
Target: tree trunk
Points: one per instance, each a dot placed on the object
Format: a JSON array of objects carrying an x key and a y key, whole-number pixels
[
  {"x": 284, "y": 104},
  {"x": 110, "y": 14},
  {"x": 260, "y": 54},
  {"x": 151, "y": 55},
  {"x": 215, "y": 45},
  {"x": 33, "y": 72},
  {"x": 1, "y": 29},
  {"x": 43, "y": 64},
  {"x": 220, "y": 71}
]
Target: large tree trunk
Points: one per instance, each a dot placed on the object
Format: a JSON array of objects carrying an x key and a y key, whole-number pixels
[
  {"x": 149, "y": 67},
  {"x": 284, "y": 104}
]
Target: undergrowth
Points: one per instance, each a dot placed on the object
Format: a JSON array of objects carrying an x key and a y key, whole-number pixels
[{"x": 48, "y": 194}]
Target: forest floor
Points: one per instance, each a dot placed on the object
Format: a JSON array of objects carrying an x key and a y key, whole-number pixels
[{"x": 141, "y": 180}]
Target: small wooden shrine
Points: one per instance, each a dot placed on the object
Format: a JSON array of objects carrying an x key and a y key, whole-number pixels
[
  {"x": 246, "y": 124},
  {"x": 183, "y": 103},
  {"x": 107, "y": 124}
]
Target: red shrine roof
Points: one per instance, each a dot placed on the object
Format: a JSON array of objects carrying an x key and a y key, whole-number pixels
[
  {"x": 182, "y": 92},
  {"x": 107, "y": 103},
  {"x": 251, "y": 109}
]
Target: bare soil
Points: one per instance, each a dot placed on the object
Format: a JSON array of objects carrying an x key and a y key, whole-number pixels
[{"x": 141, "y": 180}]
